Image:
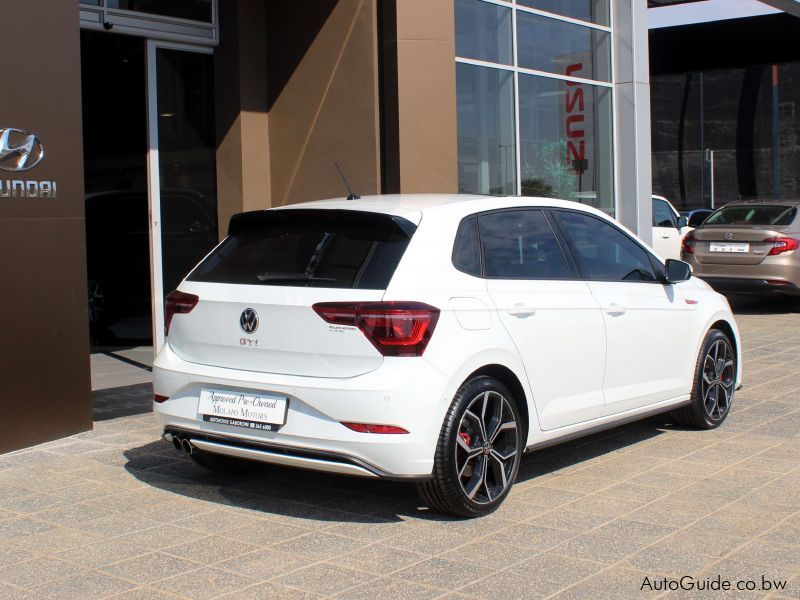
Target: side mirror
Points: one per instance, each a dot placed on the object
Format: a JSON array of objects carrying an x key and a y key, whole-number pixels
[
  {"x": 677, "y": 271},
  {"x": 683, "y": 222}
]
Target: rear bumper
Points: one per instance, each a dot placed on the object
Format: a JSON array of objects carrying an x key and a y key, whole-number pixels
[
  {"x": 406, "y": 392},
  {"x": 737, "y": 285}
]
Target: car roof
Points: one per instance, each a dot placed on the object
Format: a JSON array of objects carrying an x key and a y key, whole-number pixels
[{"x": 408, "y": 205}]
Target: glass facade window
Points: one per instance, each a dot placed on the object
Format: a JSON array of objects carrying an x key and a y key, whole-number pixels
[
  {"x": 554, "y": 46},
  {"x": 594, "y": 11},
  {"x": 486, "y": 145},
  {"x": 483, "y": 31},
  {"x": 566, "y": 141},
  {"x": 195, "y": 10},
  {"x": 524, "y": 125}
]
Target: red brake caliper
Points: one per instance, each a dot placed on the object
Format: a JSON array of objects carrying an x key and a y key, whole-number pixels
[{"x": 465, "y": 437}]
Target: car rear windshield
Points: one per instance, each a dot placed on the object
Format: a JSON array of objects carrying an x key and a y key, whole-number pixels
[
  {"x": 761, "y": 214},
  {"x": 309, "y": 248}
]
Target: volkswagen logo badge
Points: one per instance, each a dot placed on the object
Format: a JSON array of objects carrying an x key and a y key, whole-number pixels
[
  {"x": 728, "y": 236},
  {"x": 19, "y": 150},
  {"x": 249, "y": 320}
]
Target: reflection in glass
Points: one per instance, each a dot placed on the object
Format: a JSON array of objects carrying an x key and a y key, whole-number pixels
[
  {"x": 115, "y": 182},
  {"x": 92, "y": 2},
  {"x": 594, "y": 11},
  {"x": 566, "y": 146},
  {"x": 483, "y": 31},
  {"x": 196, "y": 10},
  {"x": 186, "y": 142},
  {"x": 554, "y": 46},
  {"x": 486, "y": 144}
]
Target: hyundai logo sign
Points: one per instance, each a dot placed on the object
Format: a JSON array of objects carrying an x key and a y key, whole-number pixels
[
  {"x": 22, "y": 151},
  {"x": 19, "y": 150},
  {"x": 249, "y": 320}
]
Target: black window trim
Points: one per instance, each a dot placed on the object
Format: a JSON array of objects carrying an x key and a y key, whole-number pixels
[
  {"x": 658, "y": 266},
  {"x": 571, "y": 264}
]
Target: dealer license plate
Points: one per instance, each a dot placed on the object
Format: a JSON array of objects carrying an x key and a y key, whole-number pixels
[
  {"x": 263, "y": 412},
  {"x": 728, "y": 247}
]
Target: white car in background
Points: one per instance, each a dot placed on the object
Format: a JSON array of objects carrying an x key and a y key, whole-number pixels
[
  {"x": 669, "y": 227},
  {"x": 433, "y": 338}
]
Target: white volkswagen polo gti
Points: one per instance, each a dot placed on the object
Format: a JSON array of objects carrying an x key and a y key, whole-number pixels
[{"x": 433, "y": 338}]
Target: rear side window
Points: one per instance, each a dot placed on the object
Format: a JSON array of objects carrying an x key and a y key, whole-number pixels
[
  {"x": 520, "y": 244},
  {"x": 753, "y": 215},
  {"x": 603, "y": 252},
  {"x": 663, "y": 215},
  {"x": 309, "y": 248},
  {"x": 466, "y": 250}
]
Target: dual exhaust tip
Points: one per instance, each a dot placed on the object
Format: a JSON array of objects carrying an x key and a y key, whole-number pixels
[{"x": 181, "y": 442}]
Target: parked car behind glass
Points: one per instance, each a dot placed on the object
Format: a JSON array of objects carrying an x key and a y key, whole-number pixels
[{"x": 748, "y": 247}]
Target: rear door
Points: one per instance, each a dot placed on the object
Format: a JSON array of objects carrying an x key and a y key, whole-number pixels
[
  {"x": 551, "y": 316},
  {"x": 647, "y": 322},
  {"x": 258, "y": 287}
]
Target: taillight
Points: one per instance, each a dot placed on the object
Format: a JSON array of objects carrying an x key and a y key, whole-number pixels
[
  {"x": 687, "y": 243},
  {"x": 394, "y": 328},
  {"x": 178, "y": 303},
  {"x": 782, "y": 244},
  {"x": 159, "y": 399},
  {"x": 370, "y": 428}
]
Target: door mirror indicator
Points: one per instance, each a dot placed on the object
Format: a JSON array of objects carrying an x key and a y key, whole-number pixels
[{"x": 677, "y": 271}]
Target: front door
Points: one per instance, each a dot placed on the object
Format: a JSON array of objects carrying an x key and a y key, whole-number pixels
[
  {"x": 647, "y": 322},
  {"x": 551, "y": 316}
]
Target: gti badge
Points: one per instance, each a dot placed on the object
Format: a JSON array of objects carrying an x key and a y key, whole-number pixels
[
  {"x": 19, "y": 150},
  {"x": 249, "y": 320}
]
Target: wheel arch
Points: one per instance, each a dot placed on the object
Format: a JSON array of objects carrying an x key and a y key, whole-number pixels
[
  {"x": 726, "y": 328},
  {"x": 509, "y": 379}
]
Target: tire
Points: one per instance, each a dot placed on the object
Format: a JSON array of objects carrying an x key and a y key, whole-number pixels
[
  {"x": 714, "y": 383},
  {"x": 478, "y": 452},
  {"x": 219, "y": 463}
]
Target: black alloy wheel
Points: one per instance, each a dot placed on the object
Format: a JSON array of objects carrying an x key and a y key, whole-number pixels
[
  {"x": 714, "y": 385},
  {"x": 479, "y": 450}
]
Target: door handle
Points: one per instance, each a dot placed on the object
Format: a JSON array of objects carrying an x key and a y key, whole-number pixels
[
  {"x": 615, "y": 310},
  {"x": 666, "y": 237},
  {"x": 521, "y": 311}
]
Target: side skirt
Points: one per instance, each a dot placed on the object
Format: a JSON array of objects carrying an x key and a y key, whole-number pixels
[{"x": 605, "y": 426}]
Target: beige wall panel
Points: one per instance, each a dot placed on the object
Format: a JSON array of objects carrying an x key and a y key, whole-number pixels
[
  {"x": 327, "y": 110},
  {"x": 420, "y": 96},
  {"x": 243, "y": 181},
  {"x": 427, "y": 103}
]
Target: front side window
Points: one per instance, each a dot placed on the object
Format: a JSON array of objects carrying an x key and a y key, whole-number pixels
[
  {"x": 520, "y": 244},
  {"x": 663, "y": 215},
  {"x": 603, "y": 252}
]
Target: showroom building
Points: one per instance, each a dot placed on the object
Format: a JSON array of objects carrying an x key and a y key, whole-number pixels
[
  {"x": 726, "y": 125},
  {"x": 133, "y": 129}
]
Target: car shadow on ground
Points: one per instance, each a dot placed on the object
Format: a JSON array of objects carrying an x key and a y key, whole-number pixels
[
  {"x": 763, "y": 305},
  {"x": 274, "y": 490},
  {"x": 125, "y": 401}
]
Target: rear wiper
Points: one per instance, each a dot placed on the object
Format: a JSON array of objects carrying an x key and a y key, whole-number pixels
[{"x": 292, "y": 277}]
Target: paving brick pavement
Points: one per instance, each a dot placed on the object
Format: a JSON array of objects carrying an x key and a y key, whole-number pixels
[{"x": 116, "y": 512}]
